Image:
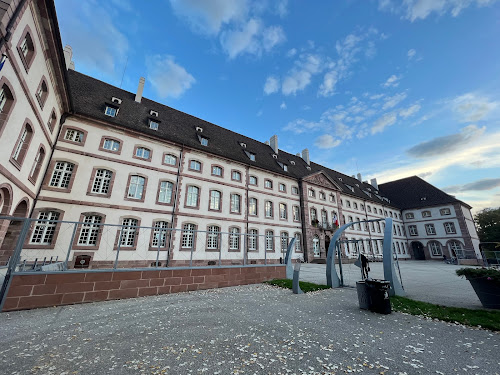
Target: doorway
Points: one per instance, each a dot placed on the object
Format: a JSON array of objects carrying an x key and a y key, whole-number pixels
[
  {"x": 13, "y": 230},
  {"x": 418, "y": 250}
]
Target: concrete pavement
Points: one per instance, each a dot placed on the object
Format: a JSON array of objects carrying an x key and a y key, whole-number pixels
[{"x": 255, "y": 329}]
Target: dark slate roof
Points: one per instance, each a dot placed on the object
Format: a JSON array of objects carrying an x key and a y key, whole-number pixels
[
  {"x": 89, "y": 97},
  {"x": 413, "y": 192}
]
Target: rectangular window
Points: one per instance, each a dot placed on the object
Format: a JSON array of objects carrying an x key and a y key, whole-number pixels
[
  {"x": 37, "y": 165},
  {"x": 298, "y": 247},
  {"x": 213, "y": 237},
  {"x": 192, "y": 196},
  {"x": 284, "y": 242},
  {"x": 429, "y": 228},
  {"x": 102, "y": 181},
  {"x": 165, "y": 194},
  {"x": 283, "y": 211},
  {"x": 234, "y": 239},
  {"x": 22, "y": 144},
  {"x": 24, "y": 47},
  {"x": 110, "y": 111},
  {"x": 44, "y": 230},
  {"x": 215, "y": 197},
  {"x": 61, "y": 175},
  {"x": 111, "y": 145},
  {"x": 188, "y": 236},
  {"x": 195, "y": 165},
  {"x": 90, "y": 230},
  {"x": 170, "y": 159},
  {"x": 236, "y": 176},
  {"x": 153, "y": 125},
  {"x": 251, "y": 156},
  {"x": 143, "y": 153},
  {"x": 252, "y": 180},
  {"x": 252, "y": 206},
  {"x": 296, "y": 213},
  {"x": 269, "y": 240},
  {"x": 412, "y": 229},
  {"x": 235, "y": 203},
  {"x": 295, "y": 190},
  {"x": 217, "y": 171},
  {"x": 268, "y": 184},
  {"x": 136, "y": 187},
  {"x": 445, "y": 211},
  {"x": 160, "y": 234},
  {"x": 3, "y": 99},
  {"x": 269, "y": 209},
  {"x": 252, "y": 239},
  {"x": 409, "y": 215},
  {"x": 426, "y": 214},
  {"x": 282, "y": 187},
  {"x": 204, "y": 141},
  {"x": 450, "y": 228},
  {"x": 128, "y": 232},
  {"x": 73, "y": 135}
]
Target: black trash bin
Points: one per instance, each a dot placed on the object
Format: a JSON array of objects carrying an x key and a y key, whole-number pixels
[
  {"x": 378, "y": 290},
  {"x": 363, "y": 296}
]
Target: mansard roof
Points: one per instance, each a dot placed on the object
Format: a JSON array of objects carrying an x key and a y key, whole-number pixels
[
  {"x": 89, "y": 97},
  {"x": 413, "y": 192}
]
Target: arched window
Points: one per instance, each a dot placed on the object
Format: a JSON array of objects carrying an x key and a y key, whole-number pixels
[
  {"x": 316, "y": 249},
  {"x": 252, "y": 239},
  {"x": 61, "y": 176},
  {"x": 456, "y": 248},
  {"x": 90, "y": 230},
  {"x": 187, "y": 241},
  {"x": 26, "y": 49},
  {"x": 160, "y": 232},
  {"x": 143, "y": 153},
  {"x": 269, "y": 240},
  {"x": 215, "y": 200},
  {"x": 192, "y": 196},
  {"x": 37, "y": 165},
  {"x": 269, "y": 209},
  {"x": 22, "y": 145},
  {"x": 169, "y": 159},
  {"x": 284, "y": 242},
  {"x": 165, "y": 192},
  {"x": 136, "y": 187},
  {"x": 102, "y": 181},
  {"x": 42, "y": 92},
  {"x": 298, "y": 245},
  {"x": 52, "y": 121},
  {"x": 235, "y": 203},
  {"x": 252, "y": 206},
  {"x": 129, "y": 232},
  {"x": 45, "y": 228}
]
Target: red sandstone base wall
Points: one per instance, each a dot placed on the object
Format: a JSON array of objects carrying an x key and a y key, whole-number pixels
[{"x": 55, "y": 289}]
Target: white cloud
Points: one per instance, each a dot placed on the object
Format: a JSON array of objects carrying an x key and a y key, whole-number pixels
[
  {"x": 235, "y": 42},
  {"x": 392, "y": 81},
  {"x": 281, "y": 7},
  {"x": 300, "y": 126},
  {"x": 326, "y": 141},
  {"x": 167, "y": 77},
  {"x": 472, "y": 107},
  {"x": 272, "y": 85},
  {"x": 421, "y": 9},
  {"x": 283, "y": 105},
  {"x": 208, "y": 17},
  {"x": 411, "y": 54},
  {"x": 410, "y": 111},
  {"x": 327, "y": 88},
  {"x": 291, "y": 53},
  {"x": 272, "y": 36},
  {"x": 392, "y": 101},
  {"x": 299, "y": 77},
  {"x": 386, "y": 120},
  {"x": 259, "y": 113}
]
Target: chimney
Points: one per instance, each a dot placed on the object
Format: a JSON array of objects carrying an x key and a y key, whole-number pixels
[
  {"x": 359, "y": 177},
  {"x": 373, "y": 182},
  {"x": 305, "y": 156},
  {"x": 68, "y": 55},
  {"x": 297, "y": 154},
  {"x": 266, "y": 142},
  {"x": 140, "y": 89},
  {"x": 274, "y": 143}
]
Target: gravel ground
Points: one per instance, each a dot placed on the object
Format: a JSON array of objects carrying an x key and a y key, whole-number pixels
[
  {"x": 255, "y": 329},
  {"x": 429, "y": 281}
]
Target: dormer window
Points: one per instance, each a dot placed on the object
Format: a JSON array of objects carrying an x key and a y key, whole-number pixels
[
  {"x": 203, "y": 141},
  {"x": 153, "y": 124},
  {"x": 340, "y": 178},
  {"x": 111, "y": 111},
  {"x": 275, "y": 156},
  {"x": 292, "y": 162},
  {"x": 350, "y": 188},
  {"x": 308, "y": 168},
  {"x": 116, "y": 100},
  {"x": 283, "y": 166},
  {"x": 250, "y": 155},
  {"x": 198, "y": 129},
  {"x": 244, "y": 145},
  {"x": 153, "y": 113}
]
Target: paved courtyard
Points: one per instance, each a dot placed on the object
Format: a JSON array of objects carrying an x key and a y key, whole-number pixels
[
  {"x": 256, "y": 329},
  {"x": 429, "y": 281}
]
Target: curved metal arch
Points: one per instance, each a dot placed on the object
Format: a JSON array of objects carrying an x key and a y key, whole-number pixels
[
  {"x": 288, "y": 259},
  {"x": 332, "y": 278}
]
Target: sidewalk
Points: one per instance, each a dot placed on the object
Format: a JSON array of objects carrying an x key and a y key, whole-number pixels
[
  {"x": 255, "y": 329},
  {"x": 429, "y": 281}
]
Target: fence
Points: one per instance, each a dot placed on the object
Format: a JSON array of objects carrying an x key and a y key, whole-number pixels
[{"x": 491, "y": 258}]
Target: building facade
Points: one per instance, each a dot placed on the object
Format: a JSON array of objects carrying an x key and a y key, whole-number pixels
[{"x": 76, "y": 149}]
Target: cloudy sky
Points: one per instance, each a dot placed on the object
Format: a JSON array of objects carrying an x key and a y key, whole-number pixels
[{"x": 386, "y": 88}]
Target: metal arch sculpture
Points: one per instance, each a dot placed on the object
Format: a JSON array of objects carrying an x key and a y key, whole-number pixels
[
  {"x": 332, "y": 278},
  {"x": 288, "y": 259}
]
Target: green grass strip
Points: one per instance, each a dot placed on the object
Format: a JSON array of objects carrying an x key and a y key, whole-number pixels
[
  {"x": 475, "y": 318},
  {"x": 304, "y": 285}
]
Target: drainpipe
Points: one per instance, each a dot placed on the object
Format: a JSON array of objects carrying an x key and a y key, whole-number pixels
[{"x": 303, "y": 222}]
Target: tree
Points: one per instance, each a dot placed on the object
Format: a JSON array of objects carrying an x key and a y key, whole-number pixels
[{"x": 488, "y": 224}]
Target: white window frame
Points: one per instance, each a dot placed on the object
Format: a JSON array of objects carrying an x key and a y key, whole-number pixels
[
  {"x": 111, "y": 145},
  {"x": 129, "y": 232},
  {"x": 89, "y": 232},
  {"x": 44, "y": 231},
  {"x": 102, "y": 181},
  {"x": 160, "y": 233},
  {"x": 192, "y": 196},
  {"x": 168, "y": 158},
  {"x": 215, "y": 200},
  {"x": 188, "y": 231},
  {"x": 73, "y": 135},
  {"x": 166, "y": 191},
  {"x": 111, "y": 111},
  {"x": 430, "y": 229},
  {"x": 136, "y": 187},
  {"x": 61, "y": 175},
  {"x": 143, "y": 152},
  {"x": 235, "y": 203}
]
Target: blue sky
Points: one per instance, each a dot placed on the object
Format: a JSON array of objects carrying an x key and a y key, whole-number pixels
[{"x": 385, "y": 88}]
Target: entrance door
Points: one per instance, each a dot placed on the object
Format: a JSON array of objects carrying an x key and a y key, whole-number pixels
[
  {"x": 14, "y": 228},
  {"x": 418, "y": 250}
]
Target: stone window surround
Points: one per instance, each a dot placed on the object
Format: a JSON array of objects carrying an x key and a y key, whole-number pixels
[
  {"x": 219, "y": 238},
  {"x": 241, "y": 175},
  {"x": 104, "y": 138},
  {"x": 195, "y": 235},
  {"x": 256, "y": 207},
  {"x": 126, "y": 197},
  {"x": 134, "y": 156},
  {"x": 91, "y": 182},
  {"x": 195, "y": 170},
  {"x": 65, "y": 128},
  {"x": 210, "y": 198},
  {"x": 27, "y": 61},
  {"x": 171, "y": 203},
  {"x": 229, "y": 239},
  {"x": 230, "y": 204},
  {"x": 22, "y": 155},
  {"x": 256, "y": 240},
  {"x": 265, "y": 182},
  {"x": 136, "y": 239},
  {"x": 216, "y": 175},
  {"x": 52, "y": 245},
  {"x": 197, "y": 207},
  {"x": 9, "y": 105},
  {"x": 170, "y": 165},
  {"x": 256, "y": 180},
  {"x": 167, "y": 237},
  {"x": 42, "y": 100},
  {"x": 38, "y": 168},
  {"x": 79, "y": 230},
  {"x": 50, "y": 171},
  {"x": 52, "y": 120}
]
